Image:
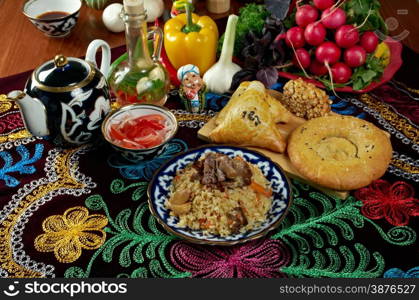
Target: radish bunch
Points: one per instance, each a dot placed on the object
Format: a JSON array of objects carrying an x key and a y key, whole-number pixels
[{"x": 323, "y": 43}]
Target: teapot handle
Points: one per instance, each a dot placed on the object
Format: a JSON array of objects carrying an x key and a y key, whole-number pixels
[
  {"x": 155, "y": 33},
  {"x": 106, "y": 55}
]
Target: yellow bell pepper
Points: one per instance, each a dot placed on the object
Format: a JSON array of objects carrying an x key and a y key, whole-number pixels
[
  {"x": 383, "y": 52},
  {"x": 191, "y": 40}
]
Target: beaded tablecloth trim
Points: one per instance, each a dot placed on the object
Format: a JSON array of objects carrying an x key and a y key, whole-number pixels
[
  {"x": 393, "y": 123},
  {"x": 6, "y": 104},
  {"x": 9, "y": 112},
  {"x": 394, "y": 119}
]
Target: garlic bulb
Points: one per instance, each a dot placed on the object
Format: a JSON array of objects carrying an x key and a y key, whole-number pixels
[
  {"x": 154, "y": 9},
  {"x": 96, "y": 4},
  {"x": 218, "y": 78},
  {"x": 112, "y": 19}
]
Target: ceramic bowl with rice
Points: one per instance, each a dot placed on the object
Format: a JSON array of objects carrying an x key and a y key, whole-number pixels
[{"x": 220, "y": 195}]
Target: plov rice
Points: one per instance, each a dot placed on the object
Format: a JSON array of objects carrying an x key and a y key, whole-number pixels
[{"x": 220, "y": 195}]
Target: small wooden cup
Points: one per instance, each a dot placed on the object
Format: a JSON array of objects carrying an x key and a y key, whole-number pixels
[{"x": 218, "y": 6}]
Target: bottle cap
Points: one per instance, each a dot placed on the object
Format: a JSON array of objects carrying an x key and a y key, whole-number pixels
[{"x": 134, "y": 7}]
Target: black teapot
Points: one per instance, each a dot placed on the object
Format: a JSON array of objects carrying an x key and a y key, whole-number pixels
[{"x": 67, "y": 98}]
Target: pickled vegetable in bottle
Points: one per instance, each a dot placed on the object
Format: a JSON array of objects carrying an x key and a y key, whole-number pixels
[{"x": 140, "y": 78}]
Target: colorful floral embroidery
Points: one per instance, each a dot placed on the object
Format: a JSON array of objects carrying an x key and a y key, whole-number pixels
[
  {"x": 9, "y": 144},
  {"x": 408, "y": 165},
  {"x": 62, "y": 178},
  {"x": 387, "y": 112},
  {"x": 394, "y": 202},
  {"x": 118, "y": 187},
  {"x": 401, "y": 98},
  {"x": 22, "y": 167},
  {"x": 21, "y": 134},
  {"x": 319, "y": 238},
  {"x": 145, "y": 169},
  {"x": 68, "y": 234},
  {"x": 343, "y": 107},
  {"x": 398, "y": 273},
  {"x": 316, "y": 229},
  {"x": 403, "y": 86},
  {"x": 131, "y": 244},
  {"x": 192, "y": 120},
  {"x": 10, "y": 122},
  {"x": 320, "y": 220},
  {"x": 5, "y": 104},
  {"x": 343, "y": 262},
  {"x": 261, "y": 258}
]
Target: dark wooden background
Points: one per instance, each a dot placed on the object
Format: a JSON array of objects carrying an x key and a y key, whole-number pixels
[{"x": 23, "y": 47}]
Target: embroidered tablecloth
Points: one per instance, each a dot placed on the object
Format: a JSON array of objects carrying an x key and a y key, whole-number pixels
[{"x": 83, "y": 212}]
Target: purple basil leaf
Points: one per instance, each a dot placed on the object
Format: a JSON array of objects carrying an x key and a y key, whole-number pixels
[
  {"x": 279, "y": 8},
  {"x": 268, "y": 76},
  {"x": 240, "y": 76},
  {"x": 253, "y": 54},
  {"x": 251, "y": 37},
  {"x": 266, "y": 39},
  {"x": 274, "y": 25}
]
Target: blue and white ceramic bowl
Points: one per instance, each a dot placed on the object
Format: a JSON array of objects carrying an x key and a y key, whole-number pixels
[
  {"x": 137, "y": 110},
  {"x": 53, "y": 27},
  {"x": 159, "y": 191}
]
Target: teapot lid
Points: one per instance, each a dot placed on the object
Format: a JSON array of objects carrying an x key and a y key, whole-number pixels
[{"x": 63, "y": 74}]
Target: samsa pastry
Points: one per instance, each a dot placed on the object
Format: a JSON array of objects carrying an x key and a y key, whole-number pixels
[
  {"x": 279, "y": 113},
  {"x": 247, "y": 120}
]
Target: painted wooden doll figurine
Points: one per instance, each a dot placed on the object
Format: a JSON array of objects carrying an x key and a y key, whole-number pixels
[
  {"x": 178, "y": 7},
  {"x": 192, "y": 89}
]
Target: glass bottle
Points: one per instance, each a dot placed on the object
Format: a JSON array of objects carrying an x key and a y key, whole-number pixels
[{"x": 140, "y": 78}]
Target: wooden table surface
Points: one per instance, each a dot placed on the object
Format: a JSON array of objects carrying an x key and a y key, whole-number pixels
[{"x": 23, "y": 47}]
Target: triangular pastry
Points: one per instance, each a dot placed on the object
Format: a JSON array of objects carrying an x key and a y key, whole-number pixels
[
  {"x": 278, "y": 111},
  {"x": 247, "y": 120}
]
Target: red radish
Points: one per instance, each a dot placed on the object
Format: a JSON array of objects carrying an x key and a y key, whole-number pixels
[
  {"x": 346, "y": 36},
  {"x": 323, "y": 4},
  {"x": 295, "y": 36},
  {"x": 318, "y": 68},
  {"x": 355, "y": 56},
  {"x": 315, "y": 33},
  {"x": 301, "y": 58},
  {"x": 369, "y": 41},
  {"x": 333, "y": 17},
  {"x": 341, "y": 73},
  {"x": 328, "y": 52},
  {"x": 305, "y": 15}
]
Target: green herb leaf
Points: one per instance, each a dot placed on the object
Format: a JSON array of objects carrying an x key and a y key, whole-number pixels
[
  {"x": 358, "y": 11},
  {"x": 368, "y": 75},
  {"x": 358, "y": 84},
  {"x": 290, "y": 21},
  {"x": 326, "y": 81},
  {"x": 157, "y": 84},
  {"x": 364, "y": 75},
  {"x": 251, "y": 18}
]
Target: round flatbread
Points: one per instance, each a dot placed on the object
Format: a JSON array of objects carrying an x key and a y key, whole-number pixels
[{"x": 340, "y": 152}]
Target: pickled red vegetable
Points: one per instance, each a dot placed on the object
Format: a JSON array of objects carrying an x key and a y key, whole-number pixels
[{"x": 140, "y": 132}]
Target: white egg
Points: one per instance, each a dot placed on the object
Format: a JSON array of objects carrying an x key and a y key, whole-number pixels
[{"x": 112, "y": 19}]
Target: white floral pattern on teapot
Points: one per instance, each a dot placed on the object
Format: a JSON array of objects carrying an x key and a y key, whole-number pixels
[{"x": 67, "y": 98}]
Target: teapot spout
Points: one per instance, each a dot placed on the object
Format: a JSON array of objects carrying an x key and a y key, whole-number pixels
[{"x": 33, "y": 113}]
